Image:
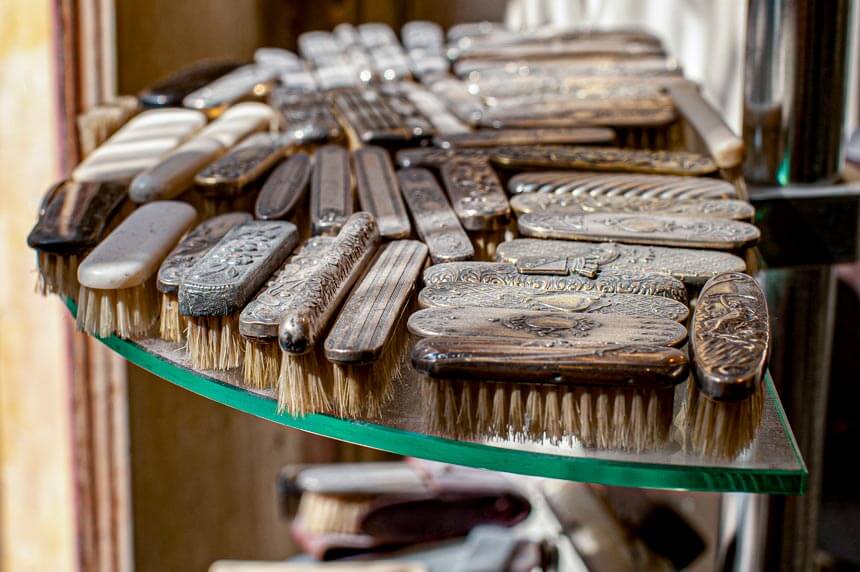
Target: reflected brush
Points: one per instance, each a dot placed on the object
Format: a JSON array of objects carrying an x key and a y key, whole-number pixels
[
  {"x": 304, "y": 386},
  {"x": 73, "y": 218},
  {"x": 729, "y": 347},
  {"x": 216, "y": 288},
  {"x": 258, "y": 322},
  {"x": 189, "y": 250},
  {"x": 369, "y": 340},
  {"x": 117, "y": 293}
]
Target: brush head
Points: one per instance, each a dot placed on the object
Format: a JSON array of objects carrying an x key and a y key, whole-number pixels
[
  {"x": 721, "y": 429},
  {"x": 126, "y": 312}
]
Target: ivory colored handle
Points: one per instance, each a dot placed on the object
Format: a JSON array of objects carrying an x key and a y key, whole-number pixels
[{"x": 725, "y": 148}]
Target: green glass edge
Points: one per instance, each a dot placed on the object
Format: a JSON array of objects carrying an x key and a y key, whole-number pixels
[{"x": 401, "y": 442}]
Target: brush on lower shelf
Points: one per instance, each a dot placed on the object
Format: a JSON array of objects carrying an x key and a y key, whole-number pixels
[
  {"x": 305, "y": 384},
  {"x": 729, "y": 347},
  {"x": 118, "y": 293},
  {"x": 608, "y": 281},
  {"x": 73, "y": 218},
  {"x": 190, "y": 249},
  {"x": 214, "y": 290},
  {"x": 614, "y": 395},
  {"x": 259, "y": 320},
  {"x": 369, "y": 341}
]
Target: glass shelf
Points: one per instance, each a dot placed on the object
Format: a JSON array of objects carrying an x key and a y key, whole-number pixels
[{"x": 772, "y": 464}]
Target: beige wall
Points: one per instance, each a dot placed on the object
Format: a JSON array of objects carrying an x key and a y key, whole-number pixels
[{"x": 35, "y": 485}]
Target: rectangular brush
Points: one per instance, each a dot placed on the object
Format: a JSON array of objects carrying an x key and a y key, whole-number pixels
[
  {"x": 435, "y": 221},
  {"x": 214, "y": 290},
  {"x": 369, "y": 118},
  {"x": 479, "y": 200},
  {"x": 692, "y": 267},
  {"x": 569, "y": 203},
  {"x": 117, "y": 293},
  {"x": 576, "y": 184},
  {"x": 259, "y": 320},
  {"x": 378, "y": 192},
  {"x": 73, "y": 218},
  {"x": 546, "y": 136},
  {"x": 232, "y": 175},
  {"x": 608, "y": 281},
  {"x": 555, "y": 329},
  {"x": 303, "y": 386},
  {"x": 729, "y": 347},
  {"x": 368, "y": 342},
  {"x": 614, "y": 396},
  {"x": 189, "y": 250},
  {"x": 332, "y": 200},
  {"x": 652, "y": 229},
  {"x": 466, "y": 294},
  {"x": 174, "y": 173},
  {"x": 138, "y": 145}
]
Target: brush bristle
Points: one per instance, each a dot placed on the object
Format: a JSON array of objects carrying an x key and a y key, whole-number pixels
[
  {"x": 262, "y": 364},
  {"x": 363, "y": 390},
  {"x": 630, "y": 419},
  {"x": 720, "y": 429},
  {"x": 214, "y": 342},
  {"x": 172, "y": 325},
  {"x": 57, "y": 275},
  {"x": 321, "y": 514},
  {"x": 126, "y": 312},
  {"x": 304, "y": 383}
]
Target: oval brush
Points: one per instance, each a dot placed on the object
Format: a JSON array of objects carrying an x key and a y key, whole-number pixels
[
  {"x": 258, "y": 322},
  {"x": 73, "y": 218},
  {"x": 194, "y": 245},
  {"x": 216, "y": 288},
  {"x": 609, "y": 281},
  {"x": 616, "y": 395},
  {"x": 729, "y": 347},
  {"x": 303, "y": 386},
  {"x": 369, "y": 340},
  {"x": 118, "y": 293},
  {"x": 283, "y": 195}
]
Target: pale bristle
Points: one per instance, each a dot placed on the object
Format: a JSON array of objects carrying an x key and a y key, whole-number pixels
[
  {"x": 363, "y": 390},
  {"x": 331, "y": 514},
  {"x": 126, "y": 312},
  {"x": 172, "y": 325},
  {"x": 214, "y": 342},
  {"x": 57, "y": 274},
  {"x": 630, "y": 419},
  {"x": 303, "y": 384},
  {"x": 262, "y": 363},
  {"x": 720, "y": 429}
]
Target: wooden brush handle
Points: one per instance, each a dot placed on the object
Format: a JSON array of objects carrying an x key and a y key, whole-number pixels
[
  {"x": 725, "y": 148},
  {"x": 496, "y": 359}
]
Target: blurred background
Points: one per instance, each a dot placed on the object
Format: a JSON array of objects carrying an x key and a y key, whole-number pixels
[{"x": 76, "y": 421}]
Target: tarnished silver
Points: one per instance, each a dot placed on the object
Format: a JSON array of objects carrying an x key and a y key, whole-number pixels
[
  {"x": 610, "y": 281},
  {"x": 570, "y": 203},
  {"x": 693, "y": 267},
  {"x": 378, "y": 193},
  {"x": 262, "y": 316},
  {"x": 332, "y": 201},
  {"x": 454, "y": 294},
  {"x": 435, "y": 221},
  {"x": 621, "y": 185},
  {"x": 222, "y": 281},
  {"x": 476, "y": 194},
  {"x": 191, "y": 248},
  {"x": 708, "y": 233},
  {"x": 284, "y": 189}
]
